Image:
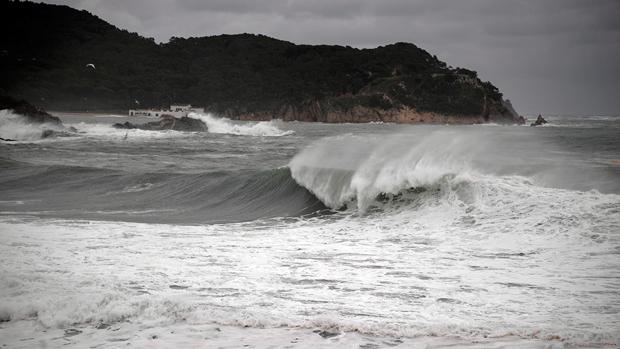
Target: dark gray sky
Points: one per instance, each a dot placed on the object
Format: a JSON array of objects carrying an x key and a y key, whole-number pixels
[{"x": 547, "y": 56}]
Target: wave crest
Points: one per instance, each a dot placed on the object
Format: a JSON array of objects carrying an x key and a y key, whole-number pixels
[
  {"x": 14, "y": 127},
  {"x": 349, "y": 169}
]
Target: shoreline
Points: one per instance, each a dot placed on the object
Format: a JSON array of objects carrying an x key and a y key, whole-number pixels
[
  {"x": 405, "y": 118},
  {"x": 25, "y": 333}
]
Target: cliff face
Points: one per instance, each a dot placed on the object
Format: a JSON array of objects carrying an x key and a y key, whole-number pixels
[
  {"x": 48, "y": 51},
  {"x": 361, "y": 114}
]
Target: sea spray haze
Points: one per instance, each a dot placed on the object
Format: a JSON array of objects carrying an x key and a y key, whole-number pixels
[{"x": 310, "y": 235}]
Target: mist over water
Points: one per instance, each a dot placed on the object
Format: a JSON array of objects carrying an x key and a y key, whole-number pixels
[
  {"x": 382, "y": 235},
  {"x": 14, "y": 128}
]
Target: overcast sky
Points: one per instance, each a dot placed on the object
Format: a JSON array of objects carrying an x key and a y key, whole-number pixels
[{"x": 547, "y": 56}]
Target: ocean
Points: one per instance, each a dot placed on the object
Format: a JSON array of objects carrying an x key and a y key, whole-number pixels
[{"x": 310, "y": 235}]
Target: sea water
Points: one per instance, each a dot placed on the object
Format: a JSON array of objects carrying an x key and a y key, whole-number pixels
[{"x": 310, "y": 235}]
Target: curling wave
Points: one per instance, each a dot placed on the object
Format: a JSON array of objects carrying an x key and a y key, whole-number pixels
[
  {"x": 362, "y": 172},
  {"x": 348, "y": 169}
]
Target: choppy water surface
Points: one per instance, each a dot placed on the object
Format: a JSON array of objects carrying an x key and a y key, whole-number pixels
[{"x": 311, "y": 235}]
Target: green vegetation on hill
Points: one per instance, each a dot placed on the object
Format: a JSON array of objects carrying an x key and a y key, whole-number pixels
[{"x": 45, "y": 50}]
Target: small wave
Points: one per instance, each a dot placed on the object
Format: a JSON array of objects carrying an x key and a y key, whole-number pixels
[
  {"x": 115, "y": 309},
  {"x": 226, "y": 126},
  {"x": 11, "y": 202},
  {"x": 138, "y": 187},
  {"x": 203, "y": 197}
]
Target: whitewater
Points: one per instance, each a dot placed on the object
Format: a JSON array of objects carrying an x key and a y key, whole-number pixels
[{"x": 306, "y": 235}]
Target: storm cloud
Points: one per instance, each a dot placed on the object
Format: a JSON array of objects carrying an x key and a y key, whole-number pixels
[{"x": 552, "y": 56}]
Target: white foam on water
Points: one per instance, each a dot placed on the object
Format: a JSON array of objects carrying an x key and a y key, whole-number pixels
[
  {"x": 13, "y": 126},
  {"x": 476, "y": 260},
  {"x": 479, "y": 260},
  {"x": 354, "y": 170},
  {"x": 344, "y": 168},
  {"x": 222, "y": 336},
  {"x": 107, "y": 131},
  {"x": 226, "y": 126}
]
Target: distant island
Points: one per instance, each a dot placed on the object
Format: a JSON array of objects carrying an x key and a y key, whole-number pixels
[{"x": 60, "y": 58}]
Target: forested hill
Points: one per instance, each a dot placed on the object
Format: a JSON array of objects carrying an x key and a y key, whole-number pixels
[{"x": 46, "y": 52}]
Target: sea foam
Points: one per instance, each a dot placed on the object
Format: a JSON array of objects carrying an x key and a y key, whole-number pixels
[
  {"x": 226, "y": 126},
  {"x": 14, "y": 127},
  {"x": 345, "y": 168}
]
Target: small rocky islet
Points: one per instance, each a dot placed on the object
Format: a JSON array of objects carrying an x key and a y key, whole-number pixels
[{"x": 167, "y": 122}]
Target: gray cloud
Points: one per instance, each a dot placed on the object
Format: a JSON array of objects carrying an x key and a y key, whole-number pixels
[{"x": 552, "y": 56}]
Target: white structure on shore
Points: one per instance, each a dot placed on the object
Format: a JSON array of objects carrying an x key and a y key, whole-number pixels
[{"x": 177, "y": 111}]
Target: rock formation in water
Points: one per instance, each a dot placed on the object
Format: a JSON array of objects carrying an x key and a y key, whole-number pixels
[
  {"x": 167, "y": 122},
  {"x": 30, "y": 113},
  {"x": 539, "y": 121},
  {"x": 47, "y": 49}
]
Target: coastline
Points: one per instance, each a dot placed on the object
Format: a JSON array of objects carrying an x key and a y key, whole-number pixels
[
  {"x": 358, "y": 115},
  {"x": 24, "y": 334},
  {"x": 362, "y": 115}
]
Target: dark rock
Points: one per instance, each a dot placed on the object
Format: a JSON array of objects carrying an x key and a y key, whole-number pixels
[
  {"x": 72, "y": 332},
  {"x": 126, "y": 125},
  {"x": 56, "y": 133},
  {"x": 327, "y": 334},
  {"x": 513, "y": 115},
  {"x": 178, "y": 287},
  {"x": 7, "y": 140},
  {"x": 31, "y": 113},
  {"x": 48, "y": 133},
  {"x": 539, "y": 121},
  {"x": 167, "y": 122}
]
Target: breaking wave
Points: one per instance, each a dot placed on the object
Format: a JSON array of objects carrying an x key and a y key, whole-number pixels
[
  {"x": 125, "y": 305},
  {"x": 448, "y": 226},
  {"x": 351, "y": 174},
  {"x": 226, "y": 126},
  {"x": 345, "y": 169},
  {"x": 95, "y": 193},
  {"x": 14, "y": 127}
]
